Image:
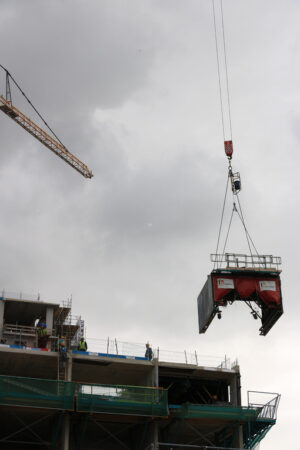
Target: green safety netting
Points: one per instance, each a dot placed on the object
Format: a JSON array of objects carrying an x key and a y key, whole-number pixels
[
  {"x": 226, "y": 412},
  {"x": 119, "y": 399},
  {"x": 35, "y": 392}
]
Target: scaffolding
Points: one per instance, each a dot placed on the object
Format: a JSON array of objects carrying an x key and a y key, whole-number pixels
[
  {"x": 24, "y": 325},
  {"x": 88, "y": 400},
  {"x": 82, "y": 397}
]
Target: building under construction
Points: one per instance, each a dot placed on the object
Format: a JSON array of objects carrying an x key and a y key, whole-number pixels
[{"x": 111, "y": 400}]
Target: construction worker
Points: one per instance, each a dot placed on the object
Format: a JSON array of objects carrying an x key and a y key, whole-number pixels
[
  {"x": 42, "y": 334},
  {"x": 62, "y": 351},
  {"x": 82, "y": 346},
  {"x": 148, "y": 353}
]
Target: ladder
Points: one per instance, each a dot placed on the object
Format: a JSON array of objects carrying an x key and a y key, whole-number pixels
[{"x": 61, "y": 369}]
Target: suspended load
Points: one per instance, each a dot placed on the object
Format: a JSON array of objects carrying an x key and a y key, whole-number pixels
[{"x": 254, "y": 280}]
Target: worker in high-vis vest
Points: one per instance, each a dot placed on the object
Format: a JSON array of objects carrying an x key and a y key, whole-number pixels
[
  {"x": 82, "y": 346},
  {"x": 62, "y": 348},
  {"x": 42, "y": 334}
]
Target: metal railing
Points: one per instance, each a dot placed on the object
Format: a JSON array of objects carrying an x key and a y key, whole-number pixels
[
  {"x": 21, "y": 330},
  {"x": 122, "y": 399},
  {"x": 243, "y": 261},
  {"x": 20, "y": 295},
  {"x": 109, "y": 399},
  {"x": 37, "y": 393},
  {"x": 111, "y": 346},
  {"x": 266, "y": 402}
]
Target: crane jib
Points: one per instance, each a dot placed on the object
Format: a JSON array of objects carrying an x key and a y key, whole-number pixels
[{"x": 51, "y": 143}]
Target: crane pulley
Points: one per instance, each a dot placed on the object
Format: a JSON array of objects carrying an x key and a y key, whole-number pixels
[{"x": 53, "y": 144}]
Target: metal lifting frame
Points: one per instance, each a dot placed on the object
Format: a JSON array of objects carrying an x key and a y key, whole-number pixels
[
  {"x": 239, "y": 260},
  {"x": 53, "y": 145}
]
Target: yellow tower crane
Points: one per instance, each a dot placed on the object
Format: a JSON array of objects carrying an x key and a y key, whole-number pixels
[{"x": 55, "y": 145}]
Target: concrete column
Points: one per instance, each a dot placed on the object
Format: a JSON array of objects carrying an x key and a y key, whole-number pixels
[
  {"x": 240, "y": 440},
  {"x": 155, "y": 435},
  {"x": 2, "y": 305},
  {"x": 156, "y": 373},
  {"x": 69, "y": 366},
  {"x": 67, "y": 419},
  {"x": 233, "y": 392},
  {"x": 66, "y": 432},
  {"x": 235, "y": 389},
  {"x": 152, "y": 436},
  {"x": 235, "y": 395},
  {"x": 49, "y": 319}
]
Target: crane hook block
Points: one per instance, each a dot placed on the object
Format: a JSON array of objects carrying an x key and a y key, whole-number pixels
[{"x": 228, "y": 148}]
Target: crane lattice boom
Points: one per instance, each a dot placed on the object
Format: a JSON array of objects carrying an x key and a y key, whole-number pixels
[{"x": 55, "y": 146}]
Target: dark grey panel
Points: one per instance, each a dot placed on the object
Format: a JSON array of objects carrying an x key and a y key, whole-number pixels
[{"x": 206, "y": 306}]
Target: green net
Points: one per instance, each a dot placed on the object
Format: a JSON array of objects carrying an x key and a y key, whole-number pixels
[
  {"x": 118, "y": 399},
  {"x": 35, "y": 392},
  {"x": 226, "y": 412}
]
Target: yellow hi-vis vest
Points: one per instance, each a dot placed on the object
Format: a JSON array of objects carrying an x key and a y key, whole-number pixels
[{"x": 82, "y": 346}]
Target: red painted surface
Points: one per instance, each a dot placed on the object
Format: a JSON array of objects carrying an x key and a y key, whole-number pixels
[
  {"x": 228, "y": 148},
  {"x": 269, "y": 296},
  {"x": 245, "y": 286},
  {"x": 267, "y": 288}
]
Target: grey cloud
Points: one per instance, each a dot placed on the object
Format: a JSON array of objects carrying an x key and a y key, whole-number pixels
[{"x": 132, "y": 245}]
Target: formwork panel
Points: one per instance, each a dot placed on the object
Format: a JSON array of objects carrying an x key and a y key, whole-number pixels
[{"x": 206, "y": 305}]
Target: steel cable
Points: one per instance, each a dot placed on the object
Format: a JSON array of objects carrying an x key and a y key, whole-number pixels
[
  {"x": 218, "y": 64},
  {"x": 229, "y": 226},
  {"x": 222, "y": 216},
  {"x": 40, "y": 116},
  {"x": 226, "y": 70},
  {"x": 246, "y": 230}
]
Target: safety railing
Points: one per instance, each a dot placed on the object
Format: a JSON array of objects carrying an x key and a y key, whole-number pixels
[
  {"x": 215, "y": 411},
  {"x": 112, "y": 347},
  {"x": 21, "y": 330},
  {"x": 120, "y": 399},
  {"x": 25, "y": 296},
  {"x": 35, "y": 392},
  {"x": 266, "y": 402},
  {"x": 126, "y": 400},
  {"x": 243, "y": 261},
  {"x": 100, "y": 398}
]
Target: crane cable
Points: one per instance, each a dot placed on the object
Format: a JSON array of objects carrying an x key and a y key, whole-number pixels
[
  {"x": 219, "y": 71},
  {"x": 222, "y": 107},
  {"x": 8, "y": 75},
  {"x": 230, "y": 173},
  {"x": 250, "y": 242},
  {"x": 222, "y": 216},
  {"x": 245, "y": 228}
]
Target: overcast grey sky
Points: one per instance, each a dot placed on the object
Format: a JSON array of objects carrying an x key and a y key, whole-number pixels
[{"x": 131, "y": 88}]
